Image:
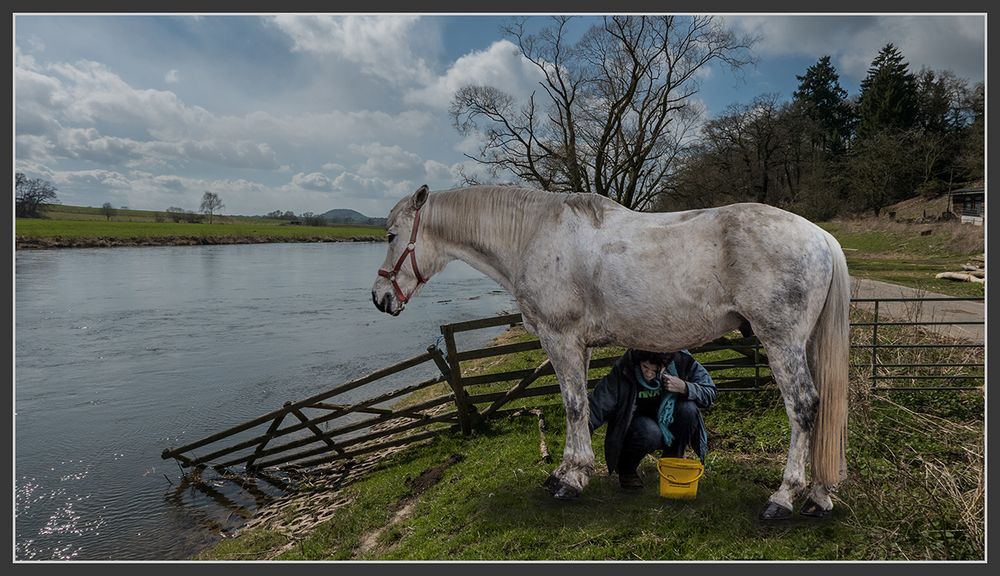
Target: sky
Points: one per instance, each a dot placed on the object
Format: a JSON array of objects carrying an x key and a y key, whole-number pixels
[{"x": 309, "y": 112}]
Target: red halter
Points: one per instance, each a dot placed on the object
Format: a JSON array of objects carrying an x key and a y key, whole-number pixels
[{"x": 410, "y": 249}]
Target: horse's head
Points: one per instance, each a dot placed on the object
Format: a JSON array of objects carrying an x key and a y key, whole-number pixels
[{"x": 404, "y": 270}]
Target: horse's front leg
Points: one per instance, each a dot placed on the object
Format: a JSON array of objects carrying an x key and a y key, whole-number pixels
[{"x": 570, "y": 360}]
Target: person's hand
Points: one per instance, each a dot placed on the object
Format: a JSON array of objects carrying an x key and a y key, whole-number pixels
[{"x": 675, "y": 384}]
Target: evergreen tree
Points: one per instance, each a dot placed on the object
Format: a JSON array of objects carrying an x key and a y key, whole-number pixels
[
  {"x": 824, "y": 102},
  {"x": 888, "y": 99}
]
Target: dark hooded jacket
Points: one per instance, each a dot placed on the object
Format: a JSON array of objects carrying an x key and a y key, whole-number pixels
[{"x": 613, "y": 401}]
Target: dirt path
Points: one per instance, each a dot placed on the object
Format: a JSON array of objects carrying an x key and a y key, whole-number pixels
[
  {"x": 952, "y": 311},
  {"x": 404, "y": 507}
]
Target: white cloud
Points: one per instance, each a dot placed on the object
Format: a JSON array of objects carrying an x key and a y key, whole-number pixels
[
  {"x": 937, "y": 42},
  {"x": 93, "y": 94},
  {"x": 89, "y": 144},
  {"x": 314, "y": 181},
  {"x": 96, "y": 178},
  {"x": 501, "y": 65},
  {"x": 383, "y": 46},
  {"x": 386, "y": 161},
  {"x": 172, "y": 77},
  {"x": 438, "y": 172},
  {"x": 33, "y": 169},
  {"x": 84, "y": 111},
  {"x": 354, "y": 185}
]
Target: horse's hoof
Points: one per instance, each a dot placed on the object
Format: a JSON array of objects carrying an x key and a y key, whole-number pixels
[
  {"x": 774, "y": 512},
  {"x": 552, "y": 484},
  {"x": 814, "y": 510},
  {"x": 566, "y": 492}
]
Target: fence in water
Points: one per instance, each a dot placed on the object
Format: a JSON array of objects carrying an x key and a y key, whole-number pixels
[{"x": 319, "y": 432}]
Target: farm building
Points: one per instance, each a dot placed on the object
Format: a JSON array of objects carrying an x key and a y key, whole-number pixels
[{"x": 968, "y": 205}]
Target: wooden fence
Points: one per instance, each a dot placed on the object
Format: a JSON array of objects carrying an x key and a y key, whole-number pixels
[{"x": 320, "y": 430}]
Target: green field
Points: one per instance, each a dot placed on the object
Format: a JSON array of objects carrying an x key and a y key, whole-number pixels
[
  {"x": 42, "y": 228},
  {"x": 907, "y": 254},
  {"x": 78, "y": 222}
]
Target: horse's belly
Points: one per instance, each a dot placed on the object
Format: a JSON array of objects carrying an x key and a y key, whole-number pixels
[{"x": 667, "y": 332}]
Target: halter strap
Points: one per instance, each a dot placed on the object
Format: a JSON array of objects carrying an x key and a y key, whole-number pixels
[{"x": 412, "y": 252}]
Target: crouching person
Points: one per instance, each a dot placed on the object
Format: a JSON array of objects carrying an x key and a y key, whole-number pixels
[{"x": 651, "y": 401}]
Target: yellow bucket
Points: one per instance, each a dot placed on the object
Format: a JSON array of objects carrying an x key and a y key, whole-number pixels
[{"x": 679, "y": 477}]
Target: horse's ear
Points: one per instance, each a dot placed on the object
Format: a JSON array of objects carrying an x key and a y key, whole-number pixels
[{"x": 420, "y": 196}]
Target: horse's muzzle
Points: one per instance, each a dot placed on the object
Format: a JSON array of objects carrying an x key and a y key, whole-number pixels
[{"x": 385, "y": 304}]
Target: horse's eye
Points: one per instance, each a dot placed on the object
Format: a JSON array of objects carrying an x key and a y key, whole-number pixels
[{"x": 390, "y": 236}]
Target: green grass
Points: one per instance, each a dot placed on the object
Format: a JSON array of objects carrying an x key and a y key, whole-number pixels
[
  {"x": 915, "y": 490},
  {"x": 46, "y": 228},
  {"x": 490, "y": 505},
  {"x": 900, "y": 254},
  {"x": 85, "y": 223}
]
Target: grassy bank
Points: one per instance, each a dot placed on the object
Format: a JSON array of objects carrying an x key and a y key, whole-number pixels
[
  {"x": 915, "y": 491},
  {"x": 41, "y": 228},
  {"x": 75, "y": 226},
  {"x": 910, "y": 254}
]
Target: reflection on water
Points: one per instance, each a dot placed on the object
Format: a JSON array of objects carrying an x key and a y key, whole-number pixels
[{"x": 120, "y": 353}]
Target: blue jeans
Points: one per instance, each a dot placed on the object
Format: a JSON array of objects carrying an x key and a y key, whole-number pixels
[{"x": 644, "y": 437}]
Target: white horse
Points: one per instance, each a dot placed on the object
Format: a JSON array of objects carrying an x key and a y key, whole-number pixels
[{"x": 588, "y": 272}]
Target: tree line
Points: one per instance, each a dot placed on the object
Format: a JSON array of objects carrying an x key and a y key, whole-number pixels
[
  {"x": 32, "y": 195},
  {"x": 823, "y": 154},
  {"x": 616, "y": 116}
]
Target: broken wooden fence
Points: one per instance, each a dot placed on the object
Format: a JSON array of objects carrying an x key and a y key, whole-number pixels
[{"x": 318, "y": 430}]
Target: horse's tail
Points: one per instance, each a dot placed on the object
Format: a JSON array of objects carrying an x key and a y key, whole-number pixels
[{"x": 829, "y": 347}]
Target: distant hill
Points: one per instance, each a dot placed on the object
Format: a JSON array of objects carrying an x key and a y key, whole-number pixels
[{"x": 345, "y": 216}]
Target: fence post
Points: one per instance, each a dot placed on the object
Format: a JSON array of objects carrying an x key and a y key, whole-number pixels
[
  {"x": 875, "y": 348},
  {"x": 454, "y": 376},
  {"x": 267, "y": 438}
]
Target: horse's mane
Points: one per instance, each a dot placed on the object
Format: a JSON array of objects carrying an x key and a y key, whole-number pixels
[{"x": 505, "y": 215}]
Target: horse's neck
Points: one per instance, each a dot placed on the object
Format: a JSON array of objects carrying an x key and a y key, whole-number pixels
[
  {"x": 495, "y": 255},
  {"x": 499, "y": 265}
]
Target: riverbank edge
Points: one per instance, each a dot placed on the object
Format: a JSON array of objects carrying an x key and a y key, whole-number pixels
[{"x": 49, "y": 242}]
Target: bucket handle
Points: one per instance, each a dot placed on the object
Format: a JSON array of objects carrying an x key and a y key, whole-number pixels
[{"x": 675, "y": 481}]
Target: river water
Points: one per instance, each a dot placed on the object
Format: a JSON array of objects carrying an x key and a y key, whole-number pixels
[{"x": 122, "y": 352}]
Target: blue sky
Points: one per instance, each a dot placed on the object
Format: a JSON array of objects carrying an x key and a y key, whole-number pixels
[{"x": 309, "y": 112}]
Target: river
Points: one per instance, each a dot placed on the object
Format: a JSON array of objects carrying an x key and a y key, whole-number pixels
[{"x": 122, "y": 352}]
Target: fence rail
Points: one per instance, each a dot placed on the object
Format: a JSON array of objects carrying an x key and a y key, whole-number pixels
[
  {"x": 877, "y": 369},
  {"x": 319, "y": 430}
]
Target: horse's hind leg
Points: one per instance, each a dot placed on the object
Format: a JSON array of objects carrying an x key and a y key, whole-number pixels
[
  {"x": 789, "y": 366},
  {"x": 570, "y": 364}
]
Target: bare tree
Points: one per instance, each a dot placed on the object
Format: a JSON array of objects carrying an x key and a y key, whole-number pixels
[
  {"x": 617, "y": 105},
  {"x": 211, "y": 203},
  {"x": 753, "y": 144},
  {"x": 31, "y": 194},
  {"x": 108, "y": 210}
]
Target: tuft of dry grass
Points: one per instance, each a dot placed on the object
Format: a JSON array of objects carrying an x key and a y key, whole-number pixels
[{"x": 918, "y": 456}]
